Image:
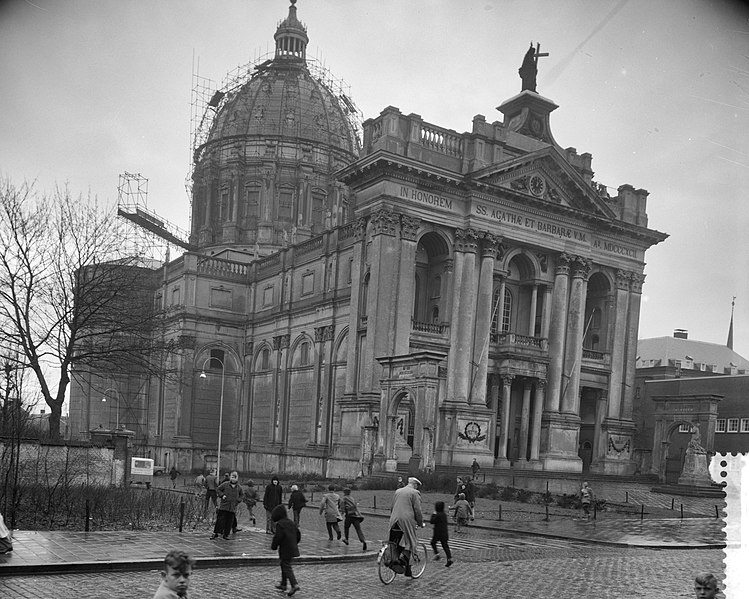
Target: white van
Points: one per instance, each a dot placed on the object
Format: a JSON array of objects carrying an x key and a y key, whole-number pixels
[{"x": 141, "y": 471}]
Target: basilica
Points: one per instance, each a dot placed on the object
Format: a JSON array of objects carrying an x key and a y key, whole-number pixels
[{"x": 362, "y": 295}]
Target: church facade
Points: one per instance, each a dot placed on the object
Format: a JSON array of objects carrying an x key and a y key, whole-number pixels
[{"x": 428, "y": 297}]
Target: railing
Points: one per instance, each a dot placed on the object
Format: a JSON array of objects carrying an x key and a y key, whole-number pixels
[
  {"x": 597, "y": 356},
  {"x": 441, "y": 140},
  {"x": 308, "y": 246},
  {"x": 522, "y": 341},
  {"x": 223, "y": 268},
  {"x": 429, "y": 327},
  {"x": 269, "y": 261}
]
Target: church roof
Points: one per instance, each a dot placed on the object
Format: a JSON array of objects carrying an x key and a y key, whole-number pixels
[{"x": 662, "y": 351}]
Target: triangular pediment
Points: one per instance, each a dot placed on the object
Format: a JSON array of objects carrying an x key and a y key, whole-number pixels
[{"x": 545, "y": 175}]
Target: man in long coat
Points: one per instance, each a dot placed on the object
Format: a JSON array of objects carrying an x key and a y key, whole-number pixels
[{"x": 406, "y": 513}]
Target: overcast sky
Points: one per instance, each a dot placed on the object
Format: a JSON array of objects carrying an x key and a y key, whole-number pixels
[{"x": 656, "y": 90}]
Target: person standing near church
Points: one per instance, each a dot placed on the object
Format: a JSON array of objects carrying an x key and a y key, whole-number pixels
[
  {"x": 297, "y": 501},
  {"x": 230, "y": 493},
  {"x": 211, "y": 483},
  {"x": 273, "y": 496},
  {"x": 586, "y": 498},
  {"x": 475, "y": 467}
]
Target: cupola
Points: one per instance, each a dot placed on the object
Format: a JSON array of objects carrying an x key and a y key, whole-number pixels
[{"x": 291, "y": 36}]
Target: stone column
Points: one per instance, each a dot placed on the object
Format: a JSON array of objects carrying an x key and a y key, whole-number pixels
[
  {"x": 501, "y": 304},
  {"x": 633, "y": 324},
  {"x": 599, "y": 449},
  {"x": 506, "y": 392},
  {"x": 557, "y": 332},
  {"x": 546, "y": 318},
  {"x": 532, "y": 318},
  {"x": 455, "y": 321},
  {"x": 575, "y": 331},
  {"x": 525, "y": 420},
  {"x": 477, "y": 383},
  {"x": 618, "y": 345},
  {"x": 354, "y": 308},
  {"x": 382, "y": 295},
  {"x": 467, "y": 242},
  {"x": 406, "y": 283},
  {"x": 538, "y": 407}
]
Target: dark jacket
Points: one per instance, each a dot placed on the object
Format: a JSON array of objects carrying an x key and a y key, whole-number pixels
[
  {"x": 287, "y": 536},
  {"x": 297, "y": 501},
  {"x": 273, "y": 496},
  {"x": 229, "y": 495},
  {"x": 439, "y": 519}
]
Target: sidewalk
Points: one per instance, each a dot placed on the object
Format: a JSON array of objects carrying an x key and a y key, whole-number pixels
[{"x": 48, "y": 552}]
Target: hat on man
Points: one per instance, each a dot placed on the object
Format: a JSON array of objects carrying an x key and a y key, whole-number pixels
[{"x": 412, "y": 480}]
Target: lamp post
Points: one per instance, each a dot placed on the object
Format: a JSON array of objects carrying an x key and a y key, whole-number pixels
[
  {"x": 117, "y": 412},
  {"x": 220, "y": 408}
]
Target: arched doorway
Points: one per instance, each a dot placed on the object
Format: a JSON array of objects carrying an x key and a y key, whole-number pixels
[{"x": 674, "y": 412}]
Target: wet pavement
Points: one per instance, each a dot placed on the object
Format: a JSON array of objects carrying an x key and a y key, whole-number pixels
[{"x": 47, "y": 552}]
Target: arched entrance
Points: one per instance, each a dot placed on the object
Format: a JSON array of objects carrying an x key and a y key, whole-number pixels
[
  {"x": 408, "y": 408},
  {"x": 673, "y": 412}
]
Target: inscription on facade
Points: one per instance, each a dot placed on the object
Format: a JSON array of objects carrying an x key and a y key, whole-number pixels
[{"x": 426, "y": 197}]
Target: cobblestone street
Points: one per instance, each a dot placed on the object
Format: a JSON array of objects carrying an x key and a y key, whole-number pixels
[{"x": 487, "y": 572}]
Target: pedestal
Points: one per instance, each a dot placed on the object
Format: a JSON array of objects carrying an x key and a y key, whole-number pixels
[{"x": 559, "y": 438}]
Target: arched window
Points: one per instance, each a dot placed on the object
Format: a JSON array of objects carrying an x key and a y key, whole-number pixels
[
  {"x": 265, "y": 359},
  {"x": 304, "y": 354},
  {"x": 435, "y": 314}
]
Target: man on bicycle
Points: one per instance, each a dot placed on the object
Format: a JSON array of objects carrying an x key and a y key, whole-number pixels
[{"x": 406, "y": 516}]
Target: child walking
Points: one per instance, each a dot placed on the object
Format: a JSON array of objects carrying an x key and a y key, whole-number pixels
[
  {"x": 286, "y": 540},
  {"x": 462, "y": 512},
  {"x": 439, "y": 534}
]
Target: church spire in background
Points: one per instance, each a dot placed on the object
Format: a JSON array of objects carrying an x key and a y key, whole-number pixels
[{"x": 729, "y": 343}]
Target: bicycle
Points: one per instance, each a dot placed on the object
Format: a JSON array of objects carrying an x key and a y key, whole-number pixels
[{"x": 389, "y": 559}]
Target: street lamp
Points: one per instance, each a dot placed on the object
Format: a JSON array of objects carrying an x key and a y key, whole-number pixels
[
  {"x": 220, "y": 408},
  {"x": 117, "y": 412}
]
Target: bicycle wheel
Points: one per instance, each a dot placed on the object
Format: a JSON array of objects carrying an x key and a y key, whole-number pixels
[
  {"x": 385, "y": 573},
  {"x": 419, "y": 560}
]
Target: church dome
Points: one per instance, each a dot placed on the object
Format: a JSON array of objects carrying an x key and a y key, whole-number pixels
[{"x": 286, "y": 126}]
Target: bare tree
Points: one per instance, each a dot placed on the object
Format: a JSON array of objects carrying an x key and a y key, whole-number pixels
[{"x": 71, "y": 296}]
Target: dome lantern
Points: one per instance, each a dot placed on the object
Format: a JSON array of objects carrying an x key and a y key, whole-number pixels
[{"x": 291, "y": 36}]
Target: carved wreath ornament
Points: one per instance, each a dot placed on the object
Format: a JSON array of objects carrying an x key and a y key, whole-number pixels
[
  {"x": 472, "y": 433},
  {"x": 612, "y": 445}
]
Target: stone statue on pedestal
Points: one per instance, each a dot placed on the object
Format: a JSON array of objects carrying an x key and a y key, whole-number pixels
[{"x": 695, "y": 471}]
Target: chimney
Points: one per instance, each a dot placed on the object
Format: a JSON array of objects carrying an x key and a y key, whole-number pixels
[{"x": 681, "y": 334}]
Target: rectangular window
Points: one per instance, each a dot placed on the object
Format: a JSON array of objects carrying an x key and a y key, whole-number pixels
[
  {"x": 733, "y": 425},
  {"x": 720, "y": 425},
  {"x": 684, "y": 428},
  {"x": 308, "y": 283},
  {"x": 268, "y": 296},
  {"x": 745, "y": 425},
  {"x": 176, "y": 296},
  {"x": 220, "y": 298},
  {"x": 285, "y": 200}
]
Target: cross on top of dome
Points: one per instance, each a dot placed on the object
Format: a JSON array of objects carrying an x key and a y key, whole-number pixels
[{"x": 291, "y": 36}]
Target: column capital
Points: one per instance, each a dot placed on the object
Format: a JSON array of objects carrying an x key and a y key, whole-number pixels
[
  {"x": 581, "y": 267},
  {"x": 324, "y": 333},
  {"x": 507, "y": 379},
  {"x": 491, "y": 246},
  {"x": 409, "y": 227},
  {"x": 384, "y": 222},
  {"x": 447, "y": 265},
  {"x": 622, "y": 280},
  {"x": 541, "y": 384},
  {"x": 281, "y": 342},
  {"x": 466, "y": 240},
  {"x": 360, "y": 229},
  {"x": 636, "y": 281},
  {"x": 563, "y": 264}
]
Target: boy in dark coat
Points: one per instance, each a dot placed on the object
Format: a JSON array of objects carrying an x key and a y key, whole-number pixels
[
  {"x": 439, "y": 520},
  {"x": 286, "y": 540}
]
